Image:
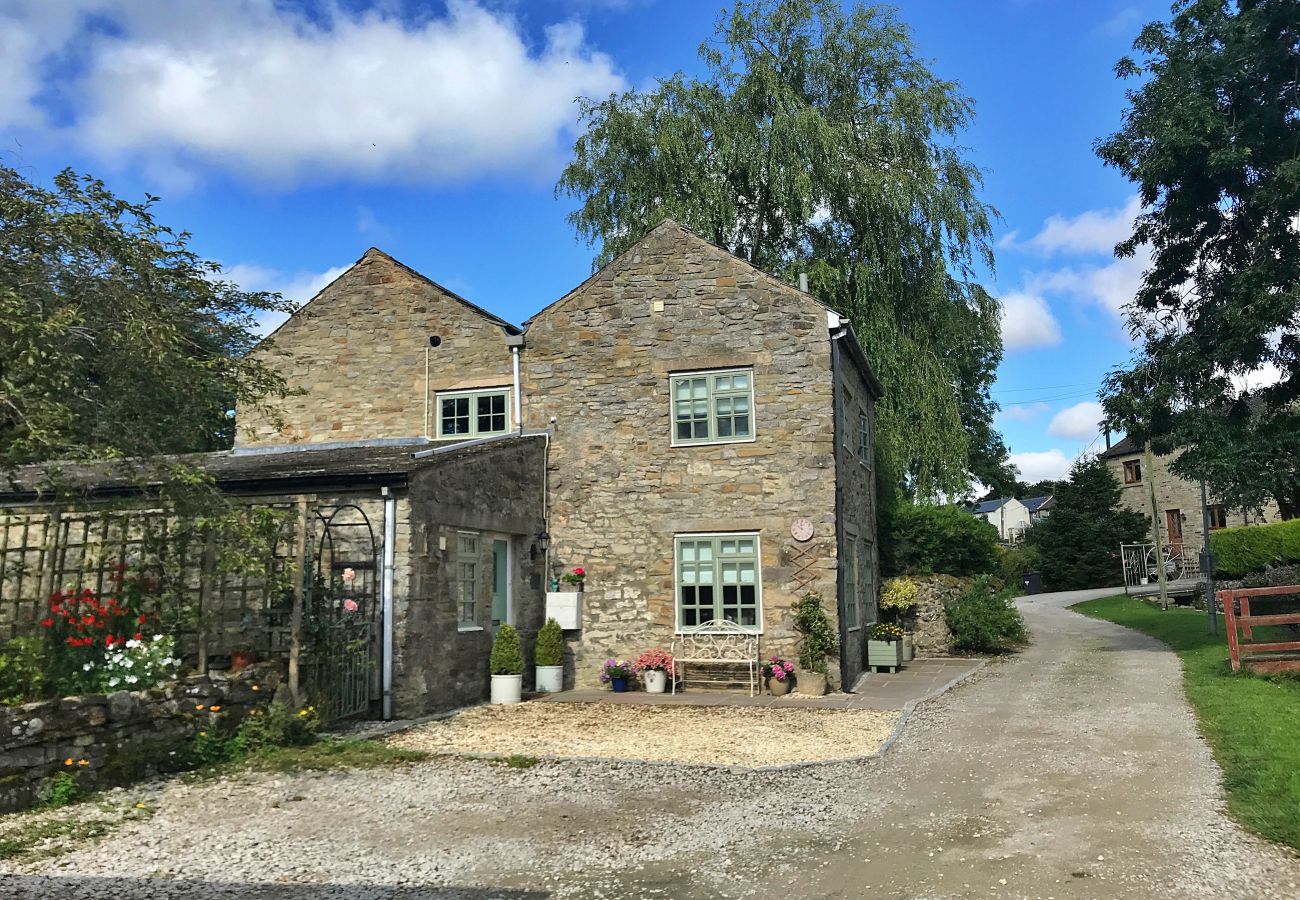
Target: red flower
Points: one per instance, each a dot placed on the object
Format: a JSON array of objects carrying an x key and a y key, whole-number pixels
[
  {"x": 108, "y": 641},
  {"x": 47, "y": 623},
  {"x": 579, "y": 570},
  {"x": 139, "y": 636},
  {"x": 141, "y": 620}
]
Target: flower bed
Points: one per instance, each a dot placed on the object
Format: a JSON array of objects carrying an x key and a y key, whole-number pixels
[{"x": 102, "y": 740}]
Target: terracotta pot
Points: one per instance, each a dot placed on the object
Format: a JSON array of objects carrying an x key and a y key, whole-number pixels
[
  {"x": 779, "y": 688},
  {"x": 242, "y": 659}
]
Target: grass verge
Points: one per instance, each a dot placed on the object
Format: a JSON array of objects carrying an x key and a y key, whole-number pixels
[{"x": 1251, "y": 722}]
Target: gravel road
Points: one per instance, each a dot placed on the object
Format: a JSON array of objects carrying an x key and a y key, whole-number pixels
[{"x": 1072, "y": 770}]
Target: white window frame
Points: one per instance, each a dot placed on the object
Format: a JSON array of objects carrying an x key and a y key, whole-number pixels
[
  {"x": 705, "y": 373},
  {"x": 459, "y": 558},
  {"x": 472, "y": 395},
  {"x": 758, "y": 575},
  {"x": 865, "y": 448}
]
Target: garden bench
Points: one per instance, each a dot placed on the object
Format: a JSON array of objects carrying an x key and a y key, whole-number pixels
[{"x": 716, "y": 643}]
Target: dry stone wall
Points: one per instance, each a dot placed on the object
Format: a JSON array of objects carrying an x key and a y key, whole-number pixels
[
  {"x": 113, "y": 739},
  {"x": 927, "y": 622}
]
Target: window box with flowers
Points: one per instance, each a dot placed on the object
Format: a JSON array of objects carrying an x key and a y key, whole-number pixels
[
  {"x": 885, "y": 647},
  {"x": 656, "y": 667}
]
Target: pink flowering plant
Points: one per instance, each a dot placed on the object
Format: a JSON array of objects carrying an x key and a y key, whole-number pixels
[
  {"x": 655, "y": 660},
  {"x": 613, "y": 669},
  {"x": 778, "y": 668}
]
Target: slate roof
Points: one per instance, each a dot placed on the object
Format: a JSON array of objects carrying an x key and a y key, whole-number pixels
[
  {"x": 1033, "y": 504},
  {"x": 989, "y": 506},
  {"x": 1126, "y": 447}
]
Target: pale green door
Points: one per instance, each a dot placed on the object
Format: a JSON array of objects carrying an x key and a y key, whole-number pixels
[{"x": 500, "y": 583}]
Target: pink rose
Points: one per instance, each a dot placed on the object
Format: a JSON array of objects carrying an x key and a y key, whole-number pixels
[{"x": 350, "y": 605}]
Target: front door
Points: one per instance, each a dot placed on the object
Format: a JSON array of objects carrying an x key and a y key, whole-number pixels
[
  {"x": 1174, "y": 522},
  {"x": 501, "y": 611}
]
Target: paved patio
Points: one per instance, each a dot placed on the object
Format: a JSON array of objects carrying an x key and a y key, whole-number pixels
[{"x": 918, "y": 680}]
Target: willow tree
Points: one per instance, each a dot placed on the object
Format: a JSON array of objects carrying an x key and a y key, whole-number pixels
[{"x": 818, "y": 143}]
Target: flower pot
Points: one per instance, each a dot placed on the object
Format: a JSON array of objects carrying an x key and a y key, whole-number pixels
[
  {"x": 909, "y": 648},
  {"x": 550, "y": 679},
  {"x": 779, "y": 688},
  {"x": 619, "y": 685},
  {"x": 656, "y": 681},
  {"x": 242, "y": 659},
  {"x": 812, "y": 684},
  {"x": 507, "y": 689},
  {"x": 885, "y": 654}
]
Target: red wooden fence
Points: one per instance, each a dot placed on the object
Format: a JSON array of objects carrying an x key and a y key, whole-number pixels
[{"x": 1268, "y": 656}]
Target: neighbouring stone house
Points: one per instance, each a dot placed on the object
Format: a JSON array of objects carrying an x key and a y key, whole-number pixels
[
  {"x": 693, "y": 432},
  {"x": 1177, "y": 512}
]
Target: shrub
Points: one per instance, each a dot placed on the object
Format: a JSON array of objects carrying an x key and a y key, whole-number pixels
[
  {"x": 136, "y": 665},
  {"x": 549, "y": 650},
  {"x": 1253, "y": 548},
  {"x": 983, "y": 620},
  {"x": 924, "y": 540},
  {"x": 22, "y": 670},
  {"x": 277, "y": 726},
  {"x": 1014, "y": 562},
  {"x": 507, "y": 658},
  {"x": 817, "y": 638},
  {"x": 59, "y": 791},
  {"x": 898, "y": 595}
]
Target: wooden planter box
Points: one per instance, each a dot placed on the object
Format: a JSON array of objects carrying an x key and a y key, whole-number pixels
[{"x": 887, "y": 655}]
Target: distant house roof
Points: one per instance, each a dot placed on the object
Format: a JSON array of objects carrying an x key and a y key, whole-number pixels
[
  {"x": 989, "y": 506},
  {"x": 1126, "y": 447},
  {"x": 1034, "y": 504}
]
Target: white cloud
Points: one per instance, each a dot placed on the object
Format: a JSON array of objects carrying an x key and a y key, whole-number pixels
[
  {"x": 1023, "y": 412},
  {"x": 1110, "y": 287},
  {"x": 297, "y": 288},
  {"x": 265, "y": 91},
  {"x": 1081, "y": 422},
  {"x": 1040, "y": 466},
  {"x": 1092, "y": 231},
  {"x": 1027, "y": 321}
]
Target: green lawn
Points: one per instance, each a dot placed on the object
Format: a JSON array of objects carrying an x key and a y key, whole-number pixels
[{"x": 1251, "y": 722}]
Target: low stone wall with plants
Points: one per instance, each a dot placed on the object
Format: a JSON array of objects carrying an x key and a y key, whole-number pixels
[
  {"x": 84, "y": 743},
  {"x": 926, "y": 620}
]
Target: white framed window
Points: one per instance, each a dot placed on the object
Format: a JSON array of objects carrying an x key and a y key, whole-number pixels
[
  {"x": 469, "y": 414},
  {"x": 864, "y": 440},
  {"x": 712, "y": 407},
  {"x": 866, "y": 598},
  {"x": 719, "y": 576},
  {"x": 467, "y": 566}
]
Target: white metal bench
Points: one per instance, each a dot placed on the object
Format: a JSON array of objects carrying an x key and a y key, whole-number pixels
[{"x": 717, "y": 642}]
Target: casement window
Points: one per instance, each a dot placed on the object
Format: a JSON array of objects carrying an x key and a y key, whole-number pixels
[
  {"x": 718, "y": 577},
  {"x": 851, "y": 599},
  {"x": 467, "y": 414},
  {"x": 1218, "y": 517},
  {"x": 864, "y": 440},
  {"x": 710, "y": 407},
  {"x": 866, "y": 583},
  {"x": 467, "y": 564},
  {"x": 1133, "y": 471}
]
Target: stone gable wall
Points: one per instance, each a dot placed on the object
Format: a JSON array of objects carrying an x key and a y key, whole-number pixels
[
  {"x": 596, "y": 370},
  {"x": 1173, "y": 492},
  {"x": 356, "y": 354}
]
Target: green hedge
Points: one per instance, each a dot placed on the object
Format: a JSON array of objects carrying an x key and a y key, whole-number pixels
[
  {"x": 1252, "y": 548},
  {"x": 922, "y": 540}
]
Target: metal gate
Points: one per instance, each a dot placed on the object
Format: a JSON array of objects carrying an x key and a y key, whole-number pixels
[{"x": 341, "y": 615}]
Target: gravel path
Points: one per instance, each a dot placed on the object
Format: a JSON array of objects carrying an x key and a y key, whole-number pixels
[
  {"x": 720, "y": 736},
  {"x": 1072, "y": 770}
]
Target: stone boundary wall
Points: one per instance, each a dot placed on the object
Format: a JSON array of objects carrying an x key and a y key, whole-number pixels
[
  {"x": 119, "y": 738},
  {"x": 928, "y": 624}
]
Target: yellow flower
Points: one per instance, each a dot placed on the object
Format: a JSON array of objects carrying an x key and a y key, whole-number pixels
[
  {"x": 202, "y": 734},
  {"x": 83, "y": 762},
  {"x": 68, "y": 761},
  {"x": 215, "y": 708},
  {"x": 198, "y": 708},
  {"x": 255, "y": 687}
]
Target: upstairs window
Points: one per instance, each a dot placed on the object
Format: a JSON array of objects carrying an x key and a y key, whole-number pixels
[
  {"x": 710, "y": 407},
  {"x": 1218, "y": 517},
  {"x": 469, "y": 414},
  {"x": 864, "y": 440},
  {"x": 1133, "y": 471}
]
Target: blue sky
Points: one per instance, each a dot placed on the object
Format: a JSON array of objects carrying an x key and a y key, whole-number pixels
[{"x": 288, "y": 137}]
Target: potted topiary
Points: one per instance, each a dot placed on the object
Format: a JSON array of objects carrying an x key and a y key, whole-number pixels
[
  {"x": 507, "y": 667},
  {"x": 655, "y": 666},
  {"x": 885, "y": 646},
  {"x": 616, "y": 674},
  {"x": 817, "y": 641},
  {"x": 549, "y": 657}
]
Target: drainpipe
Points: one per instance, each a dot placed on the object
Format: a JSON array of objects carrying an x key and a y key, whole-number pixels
[
  {"x": 386, "y": 599},
  {"x": 514, "y": 342},
  {"x": 841, "y": 602}
]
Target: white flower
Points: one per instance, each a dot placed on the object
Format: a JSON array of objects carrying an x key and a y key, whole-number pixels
[
  {"x": 128, "y": 663},
  {"x": 87, "y": 667},
  {"x": 112, "y": 682},
  {"x": 132, "y": 644},
  {"x": 158, "y": 637},
  {"x": 131, "y": 679}
]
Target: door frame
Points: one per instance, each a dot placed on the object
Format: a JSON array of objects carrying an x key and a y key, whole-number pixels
[
  {"x": 509, "y": 573},
  {"x": 1174, "y": 529}
]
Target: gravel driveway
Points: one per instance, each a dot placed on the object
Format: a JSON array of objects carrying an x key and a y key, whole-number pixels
[{"x": 1072, "y": 770}]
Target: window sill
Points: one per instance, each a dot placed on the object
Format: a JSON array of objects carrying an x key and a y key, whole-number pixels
[
  {"x": 686, "y": 444},
  {"x": 467, "y": 629},
  {"x": 756, "y": 632},
  {"x": 471, "y": 437}
]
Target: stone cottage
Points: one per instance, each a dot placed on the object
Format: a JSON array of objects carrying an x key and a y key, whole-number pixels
[{"x": 710, "y": 431}]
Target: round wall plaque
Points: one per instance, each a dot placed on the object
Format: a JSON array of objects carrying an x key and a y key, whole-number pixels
[{"x": 801, "y": 529}]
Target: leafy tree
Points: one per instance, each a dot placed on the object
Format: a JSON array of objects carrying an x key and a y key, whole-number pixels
[
  {"x": 1078, "y": 544},
  {"x": 924, "y": 539},
  {"x": 1210, "y": 137},
  {"x": 116, "y": 339},
  {"x": 818, "y": 143}
]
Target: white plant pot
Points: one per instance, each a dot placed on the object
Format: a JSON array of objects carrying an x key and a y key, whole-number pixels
[
  {"x": 656, "y": 682},
  {"x": 507, "y": 689},
  {"x": 550, "y": 679}
]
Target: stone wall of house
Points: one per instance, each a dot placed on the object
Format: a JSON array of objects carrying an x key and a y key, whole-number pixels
[
  {"x": 490, "y": 490},
  {"x": 356, "y": 358},
  {"x": 927, "y": 622},
  {"x": 857, "y": 513},
  {"x": 1174, "y": 493},
  {"x": 114, "y": 739},
  {"x": 597, "y": 371}
]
